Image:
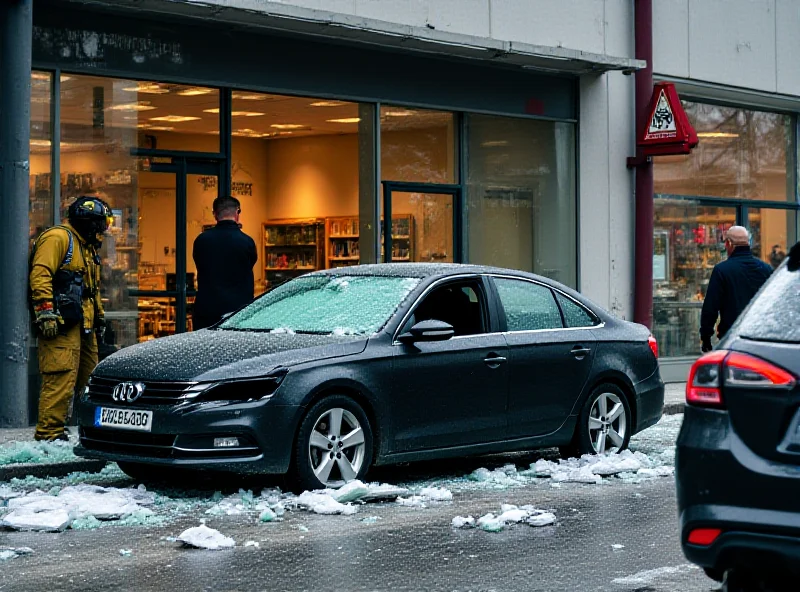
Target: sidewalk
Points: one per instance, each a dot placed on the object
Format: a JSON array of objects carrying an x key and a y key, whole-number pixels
[{"x": 17, "y": 438}]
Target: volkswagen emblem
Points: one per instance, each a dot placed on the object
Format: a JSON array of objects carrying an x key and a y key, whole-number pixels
[{"x": 127, "y": 392}]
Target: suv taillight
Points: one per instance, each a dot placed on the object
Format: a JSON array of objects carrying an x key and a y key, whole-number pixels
[
  {"x": 736, "y": 369},
  {"x": 651, "y": 341}
]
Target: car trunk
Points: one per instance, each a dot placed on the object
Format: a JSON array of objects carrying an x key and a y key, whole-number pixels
[{"x": 768, "y": 419}]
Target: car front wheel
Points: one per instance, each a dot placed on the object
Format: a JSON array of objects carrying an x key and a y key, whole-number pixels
[
  {"x": 334, "y": 444},
  {"x": 604, "y": 423}
]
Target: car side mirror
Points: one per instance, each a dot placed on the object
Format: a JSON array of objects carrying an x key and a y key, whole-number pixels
[{"x": 430, "y": 330}]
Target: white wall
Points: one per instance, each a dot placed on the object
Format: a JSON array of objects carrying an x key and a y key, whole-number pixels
[{"x": 744, "y": 43}]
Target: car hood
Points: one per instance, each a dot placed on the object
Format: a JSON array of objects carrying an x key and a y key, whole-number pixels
[{"x": 216, "y": 355}]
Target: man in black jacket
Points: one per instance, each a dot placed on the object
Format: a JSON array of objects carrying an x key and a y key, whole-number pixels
[
  {"x": 733, "y": 284},
  {"x": 224, "y": 257}
]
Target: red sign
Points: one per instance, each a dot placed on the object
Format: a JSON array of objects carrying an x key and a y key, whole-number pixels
[{"x": 668, "y": 130}]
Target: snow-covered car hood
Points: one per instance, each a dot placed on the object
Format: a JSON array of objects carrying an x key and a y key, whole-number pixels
[{"x": 216, "y": 355}]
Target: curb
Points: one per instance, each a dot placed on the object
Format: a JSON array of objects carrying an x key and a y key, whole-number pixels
[{"x": 45, "y": 470}]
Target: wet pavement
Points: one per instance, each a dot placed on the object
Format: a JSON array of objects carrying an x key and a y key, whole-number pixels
[{"x": 401, "y": 549}]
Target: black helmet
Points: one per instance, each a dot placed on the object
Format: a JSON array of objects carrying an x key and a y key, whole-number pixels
[{"x": 91, "y": 217}]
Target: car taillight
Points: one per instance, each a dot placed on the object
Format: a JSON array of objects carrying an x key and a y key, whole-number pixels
[
  {"x": 722, "y": 367},
  {"x": 705, "y": 386},
  {"x": 744, "y": 370},
  {"x": 651, "y": 341},
  {"x": 704, "y": 536}
]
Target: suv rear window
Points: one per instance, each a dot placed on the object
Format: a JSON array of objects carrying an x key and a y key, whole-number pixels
[{"x": 775, "y": 313}]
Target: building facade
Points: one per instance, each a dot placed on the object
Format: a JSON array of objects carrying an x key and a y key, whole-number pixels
[{"x": 484, "y": 131}]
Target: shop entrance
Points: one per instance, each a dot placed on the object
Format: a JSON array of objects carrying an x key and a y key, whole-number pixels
[
  {"x": 174, "y": 188},
  {"x": 436, "y": 208}
]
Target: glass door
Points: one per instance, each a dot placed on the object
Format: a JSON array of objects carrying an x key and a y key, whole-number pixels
[
  {"x": 421, "y": 222},
  {"x": 689, "y": 240},
  {"x": 150, "y": 246}
]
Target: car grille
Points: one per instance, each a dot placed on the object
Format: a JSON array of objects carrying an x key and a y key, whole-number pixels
[
  {"x": 117, "y": 441},
  {"x": 155, "y": 393}
]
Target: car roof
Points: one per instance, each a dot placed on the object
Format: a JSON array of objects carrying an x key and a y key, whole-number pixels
[{"x": 422, "y": 270}]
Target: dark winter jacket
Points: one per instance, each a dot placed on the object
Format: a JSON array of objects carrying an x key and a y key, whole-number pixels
[
  {"x": 733, "y": 284},
  {"x": 224, "y": 257}
]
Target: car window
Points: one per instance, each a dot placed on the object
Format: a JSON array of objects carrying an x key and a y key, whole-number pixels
[
  {"x": 574, "y": 314},
  {"x": 528, "y": 306},
  {"x": 774, "y": 315},
  {"x": 324, "y": 304},
  {"x": 459, "y": 304}
]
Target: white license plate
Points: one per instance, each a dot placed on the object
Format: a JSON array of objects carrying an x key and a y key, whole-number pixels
[{"x": 123, "y": 419}]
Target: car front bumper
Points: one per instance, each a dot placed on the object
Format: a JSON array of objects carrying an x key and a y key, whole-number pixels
[
  {"x": 723, "y": 484},
  {"x": 183, "y": 435}
]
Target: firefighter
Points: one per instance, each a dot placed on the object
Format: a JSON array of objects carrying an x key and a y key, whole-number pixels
[{"x": 69, "y": 316}]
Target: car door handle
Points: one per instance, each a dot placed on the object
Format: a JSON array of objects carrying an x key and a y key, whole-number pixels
[
  {"x": 580, "y": 352},
  {"x": 494, "y": 361}
]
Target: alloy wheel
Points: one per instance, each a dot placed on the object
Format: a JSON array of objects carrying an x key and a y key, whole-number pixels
[
  {"x": 336, "y": 448},
  {"x": 607, "y": 423}
]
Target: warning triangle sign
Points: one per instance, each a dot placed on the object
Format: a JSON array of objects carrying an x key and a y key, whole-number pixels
[
  {"x": 667, "y": 130},
  {"x": 663, "y": 119}
]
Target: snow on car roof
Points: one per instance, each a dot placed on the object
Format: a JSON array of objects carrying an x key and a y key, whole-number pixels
[{"x": 420, "y": 270}]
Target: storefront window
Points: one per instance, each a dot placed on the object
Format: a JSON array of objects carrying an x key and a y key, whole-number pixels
[
  {"x": 521, "y": 195},
  {"x": 295, "y": 171},
  {"x": 773, "y": 233},
  {"x": 102, "y": 119},
  {"x": 41, "y": 194},
  {"x": 742, "y": 154},
  {"x": 689, "y": 239},
  {"x": 418, "y": 145}
]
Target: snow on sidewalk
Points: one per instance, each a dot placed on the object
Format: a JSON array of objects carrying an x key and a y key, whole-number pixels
[{"x": 509, "y": 514}]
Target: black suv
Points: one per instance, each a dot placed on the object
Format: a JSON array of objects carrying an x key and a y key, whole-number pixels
[{"x": 738, "y": 452}]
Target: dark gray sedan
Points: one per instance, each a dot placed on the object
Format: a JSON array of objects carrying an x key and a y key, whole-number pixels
[{"x": 339, "y": 370}]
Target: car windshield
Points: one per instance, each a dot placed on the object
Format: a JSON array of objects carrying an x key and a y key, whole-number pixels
[
  {"x": 775, "y": 313},
  {"x": 324, "y": 304}
]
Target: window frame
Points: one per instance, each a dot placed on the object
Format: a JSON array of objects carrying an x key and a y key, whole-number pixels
[
  {"x": 490, "y": 319},
  {"x": 501, "y": 312}
]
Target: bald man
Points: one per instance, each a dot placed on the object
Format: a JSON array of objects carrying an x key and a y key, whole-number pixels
[{"x": 733, "y": 284}]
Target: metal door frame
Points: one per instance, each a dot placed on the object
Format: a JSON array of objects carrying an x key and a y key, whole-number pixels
[
  {"x": 455, "y": 190},
  {"x": 181, "y": 164}
]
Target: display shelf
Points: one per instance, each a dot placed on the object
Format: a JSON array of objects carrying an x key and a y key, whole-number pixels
[
  {"x": 292, "y": 246},
  {"x": 342, "y": 246}
]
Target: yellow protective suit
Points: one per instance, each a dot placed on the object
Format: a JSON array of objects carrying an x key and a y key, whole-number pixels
[{"x": 66, "y": 361}]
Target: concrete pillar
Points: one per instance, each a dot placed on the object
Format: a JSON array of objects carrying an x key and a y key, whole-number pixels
[{"x": 16, "y": 28}]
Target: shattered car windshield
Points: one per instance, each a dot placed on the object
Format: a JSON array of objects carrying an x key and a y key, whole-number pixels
[{"x": 324, "y": 304}]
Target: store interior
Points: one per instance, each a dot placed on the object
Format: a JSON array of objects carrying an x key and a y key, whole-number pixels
[
  {"x": 295, "y": 170},
  {"x": 742, "y": 156}
]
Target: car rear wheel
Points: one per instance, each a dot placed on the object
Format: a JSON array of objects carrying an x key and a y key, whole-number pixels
[
  {"x": 604, "y": 423},
  {"x": 334, "y": 445}
]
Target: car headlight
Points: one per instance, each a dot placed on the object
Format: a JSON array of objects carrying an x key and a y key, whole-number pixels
[{"x": 245, "y": 389}]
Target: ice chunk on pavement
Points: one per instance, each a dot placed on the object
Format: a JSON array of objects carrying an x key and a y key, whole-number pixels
[
  {"x": 252, "y": 544},
  {"x": 412, "y": 501},
  {"x": 6, "y": 493},
  {"x": 540, "y": 518},
  {"x": 126, "y": 552},
  {"x": 436, "y": 494},
  {"x": 463, "y": 522},
  {"x": 617, "y": 547},
  {"x": 510, "y": 514},
  {"x": 617, "y": 463},
  {"x": 370, "y": 519},
  {"x": 27, "y": 518},
  {"x": 204, "y": 537},
  {"x": 11, "y": 552},
  {"x": 656, "y": 472},
  {"x": 268, "y": 516},
  {"x": 322, "y": 503},
  {"x": 350, "y": 492},
  {"x": 383, "y": 491},
  {"x": 490, "y": 523}
]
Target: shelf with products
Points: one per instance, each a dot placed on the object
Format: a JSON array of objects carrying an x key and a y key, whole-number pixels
[
  {"x": 292, "y": 246},
  {"x": 342, "y": 245}
]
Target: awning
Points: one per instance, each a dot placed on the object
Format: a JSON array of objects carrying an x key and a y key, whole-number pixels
[{"x": 285, "y": 18}]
